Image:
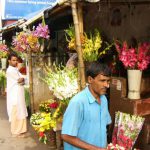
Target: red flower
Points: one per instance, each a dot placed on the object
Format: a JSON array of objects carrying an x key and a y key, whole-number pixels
[
  {"x": 23, "y": 70},
  {"x": 41, "y": 134},
  {"x": 53, "y": 105}
]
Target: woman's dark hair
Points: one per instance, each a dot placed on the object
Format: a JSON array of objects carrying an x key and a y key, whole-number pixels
[
  {"x": 95, "y": 68},
  {"x": 12, "y": 54}
]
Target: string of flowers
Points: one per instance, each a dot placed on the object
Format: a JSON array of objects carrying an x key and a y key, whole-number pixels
[{"x": 134, "y": 58}]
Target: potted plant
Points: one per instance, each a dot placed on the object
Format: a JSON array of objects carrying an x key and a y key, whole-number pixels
[{"x": 135, "y": 60}]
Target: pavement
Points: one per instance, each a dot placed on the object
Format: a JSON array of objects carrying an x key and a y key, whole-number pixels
[{"x": 8, "y": 143}]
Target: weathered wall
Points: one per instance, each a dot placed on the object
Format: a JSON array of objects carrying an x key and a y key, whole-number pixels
[
  {"x": 135, "y": 20},
  {"x": 41, "y": 91}
]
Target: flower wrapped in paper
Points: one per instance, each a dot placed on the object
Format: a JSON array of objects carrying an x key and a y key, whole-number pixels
[{"x": 126, "y": 130}]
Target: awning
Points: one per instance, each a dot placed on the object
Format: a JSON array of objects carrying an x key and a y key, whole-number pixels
[
  {"x": 31, "y": 18},
  {"x": 12, "y": 26}
]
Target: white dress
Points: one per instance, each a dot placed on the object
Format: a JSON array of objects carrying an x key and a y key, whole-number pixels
[{"x": 15, "y": 93}]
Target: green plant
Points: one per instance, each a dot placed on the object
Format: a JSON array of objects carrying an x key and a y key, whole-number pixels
[{"x": 2, "y": 78}]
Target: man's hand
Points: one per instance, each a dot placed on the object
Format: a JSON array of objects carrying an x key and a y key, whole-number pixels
[{"x": 21, "y": 81}]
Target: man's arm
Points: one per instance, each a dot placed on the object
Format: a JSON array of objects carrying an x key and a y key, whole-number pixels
[
  {"x": 79, "y": 143},
  {"x": 21, "y": 81}
]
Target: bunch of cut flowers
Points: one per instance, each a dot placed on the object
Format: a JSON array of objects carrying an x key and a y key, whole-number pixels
[
  {"x": 48, "y": 106},
  {"x": 55, "y": 108},
  {"x": 3, "y": 50},
  {"x": 42, "y": 122},
  {"x": 28, "y": 40},
  {"x": 62, "y": 81},
  {"x": 126, "y": 130},
  {"x": 134, "y": 57},
  {"x": 91, "y": 44}
]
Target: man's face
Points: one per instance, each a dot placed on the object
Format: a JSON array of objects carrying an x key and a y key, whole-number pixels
[
  {"x": 99, "y": 84},
  {"x": 13, "y": 61}
]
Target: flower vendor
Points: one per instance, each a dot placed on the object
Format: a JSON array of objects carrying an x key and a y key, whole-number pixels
[{"x": 87, "y": 115}]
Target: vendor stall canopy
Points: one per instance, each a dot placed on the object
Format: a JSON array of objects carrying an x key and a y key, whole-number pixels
[{"x": 58, "y": 4}]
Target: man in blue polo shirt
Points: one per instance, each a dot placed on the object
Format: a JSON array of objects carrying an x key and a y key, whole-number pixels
[{"x": 87, "y": 116}]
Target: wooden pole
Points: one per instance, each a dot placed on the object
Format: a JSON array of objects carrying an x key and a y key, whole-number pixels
[
  {"x": 31, "y": 82},
  {"x": 80, "y": 16},
  {"x": 78, "y": 44}
]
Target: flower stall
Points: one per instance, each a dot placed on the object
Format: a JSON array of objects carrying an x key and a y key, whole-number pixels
[
  {"x": 113, "y": 26},
  {"x": 63, "y": 83}
]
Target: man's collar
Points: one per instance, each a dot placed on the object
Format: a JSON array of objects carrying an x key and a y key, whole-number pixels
[{"x": 91, "y": 98}]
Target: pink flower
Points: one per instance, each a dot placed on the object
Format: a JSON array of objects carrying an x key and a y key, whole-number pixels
[
  {"x": 134, "y": 58},
  {"x": 42, "y": 31},
  {"x": 3, "y": 47}
]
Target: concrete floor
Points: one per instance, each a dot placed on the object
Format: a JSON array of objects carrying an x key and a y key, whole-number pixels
[{"x": 9, "y": 143}]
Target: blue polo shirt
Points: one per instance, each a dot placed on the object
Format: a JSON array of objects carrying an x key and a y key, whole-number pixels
[{"x": 86, "y": 119}]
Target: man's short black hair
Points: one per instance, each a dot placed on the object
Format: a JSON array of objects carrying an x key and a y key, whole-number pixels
[
  {"x": 12, "y": 54},
  {"x": 95, "y": 68}
]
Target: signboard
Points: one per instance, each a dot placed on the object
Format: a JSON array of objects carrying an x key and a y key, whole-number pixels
[{"x": 17, "y": 9}]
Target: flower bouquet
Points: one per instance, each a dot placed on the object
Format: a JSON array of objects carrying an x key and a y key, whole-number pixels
[
  {"x": 42, "y": 122},
  {"x": 28, "y": 40},
  {"x": 134, "y": 58},
  {"x": 91, "y": 44},
  {"x": 115, "y": 147},
  {"x": 62, "y": 81},
  {"x": 126, "y": 130},
  {"x": 48, "y": 106}
]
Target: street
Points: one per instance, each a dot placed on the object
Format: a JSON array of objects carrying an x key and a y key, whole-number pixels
[{"x": 8, "y": 143}]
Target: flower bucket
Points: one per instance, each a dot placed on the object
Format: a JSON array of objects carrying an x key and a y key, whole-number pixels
[
  {"x": 134, "y": 84},
  {"x": 51, "y": 137},
  {"x": 3, "y": 63}
]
